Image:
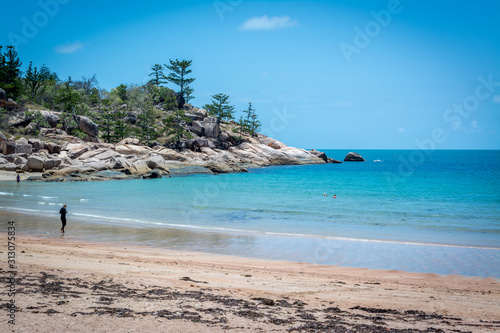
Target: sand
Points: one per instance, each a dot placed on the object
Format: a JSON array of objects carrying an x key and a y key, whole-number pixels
[
  {"x": 11, "y": 175},
  {"x": 69, "y": 286}
]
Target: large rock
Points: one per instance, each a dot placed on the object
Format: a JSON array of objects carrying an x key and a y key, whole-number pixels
[
  {"x": 51, "y": 118},
  {"x": 201, "y": 112},
  {"x": 3, "y": 95},
  {"x": 20, "y": 160},
  {"x": 353, "y": 157},
  {"x": 9, "y": 167},
  {"x": 88, "y": 126},
  {"x": 197, "y": 128},
  {"x": 52, "y": 147},
  {"x": 323, "y": 156},
  {"x": 157, "y": 162},
  {"x": 2, "y": 137},
  {"x": 121, "y": 163},
  {"x": 139, "y": 167},
  {"x": 24, "y": 149},
  {"x": 52, "y": 163},
  {"x": 36, "y": 144},
  {"x": 35, "y": 163},
  {"x": 8, "y": 147},
  {"x": 15, "y": 121},
  {"x": 211, "y": 126},
  {"x": 21, "y": 141}
]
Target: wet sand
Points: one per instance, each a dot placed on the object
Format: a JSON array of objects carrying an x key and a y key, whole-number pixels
[{"x": 77, "y": 286}]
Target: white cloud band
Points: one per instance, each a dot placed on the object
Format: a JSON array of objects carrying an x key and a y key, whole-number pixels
[{"x": 268, "y": 23}]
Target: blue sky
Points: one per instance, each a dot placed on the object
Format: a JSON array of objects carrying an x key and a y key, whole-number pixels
[{"x": 321, "y": 74}]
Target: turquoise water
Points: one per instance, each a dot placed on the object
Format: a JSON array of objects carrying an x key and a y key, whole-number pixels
[{"x": 433, "y": 211}]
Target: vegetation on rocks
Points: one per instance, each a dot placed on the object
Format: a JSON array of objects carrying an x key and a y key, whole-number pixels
[{"x": 74, "y": 130}]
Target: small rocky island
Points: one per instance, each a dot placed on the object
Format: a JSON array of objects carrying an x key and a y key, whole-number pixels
[{"x": 213, "y": 148}]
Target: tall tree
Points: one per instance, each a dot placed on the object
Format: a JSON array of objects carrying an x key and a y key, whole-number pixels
[
  {"x": 220, "y": 107},
  {"x": 173, "y": 126},
  {"x": 106, "y": 125},
  {"x": 147, "y": 124},
  {"x": 251, "y": 121},
  {"x": 36, "y": 81},
  {"x": 121, "y": 128},
  {"x": 157, "y": 74},
  {"x": 179, "y": 71},
  {"x": 121, "y": 91},
  {"x": 10, "y": 72},
  {"x": 87, "y": 83},
  {"x": 67, "y": 99}
]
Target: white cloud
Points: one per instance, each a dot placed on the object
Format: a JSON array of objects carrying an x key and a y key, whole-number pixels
[
  {"x": 269, "y": 23},
  {"x": 474, "y": 124},
  {"x": 496, "y": 99},
  {"x": 69, "y": 48},
  {"x": 401, "y": 130}
]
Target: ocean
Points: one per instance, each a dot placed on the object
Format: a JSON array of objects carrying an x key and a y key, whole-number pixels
[{"x": 419, "y": 211}]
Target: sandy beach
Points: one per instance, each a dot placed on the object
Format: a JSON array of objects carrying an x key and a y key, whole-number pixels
[
  {"x": 11, "y": 175},
  {"x": 69, "y": 286}
]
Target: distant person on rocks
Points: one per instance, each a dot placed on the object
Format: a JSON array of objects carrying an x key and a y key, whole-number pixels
[
  {"x": 18, "y": 178},
  {"x": 63, "y": 213}
]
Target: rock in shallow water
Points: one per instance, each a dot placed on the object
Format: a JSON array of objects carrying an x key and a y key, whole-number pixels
[{"x": 353, "y": 157}]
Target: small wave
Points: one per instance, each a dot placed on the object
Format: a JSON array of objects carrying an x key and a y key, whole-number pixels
[
  {"x": 27, "y": 195},
  {"x": 22, "y": 209},
  {"x": 52, "y": 203},
  {"x": 40, "y": 196},
  {"x": 106, "y": 217},
  {"x": 377, "y": 161},
  {"x": 6, "y": 193},
  {"x": 84, "y": 199},
  {"x": 41, "y": 202}
]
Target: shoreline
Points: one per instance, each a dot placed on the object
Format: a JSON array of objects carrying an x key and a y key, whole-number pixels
[
  {"x": 79, "y": 285},
  {"x": 385, "y": 255}
]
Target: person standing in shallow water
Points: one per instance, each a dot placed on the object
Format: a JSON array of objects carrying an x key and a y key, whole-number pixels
[{"x": 63, "y": 213}]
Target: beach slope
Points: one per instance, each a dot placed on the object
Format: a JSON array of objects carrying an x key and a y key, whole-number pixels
[{"x": 68, "y": 286}]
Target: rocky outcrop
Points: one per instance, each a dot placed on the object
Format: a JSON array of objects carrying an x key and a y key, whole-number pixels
[
  {"x": 88, "y": 126},
  {"x": 323, "y": 156},
  {"x": 3, "y": 95},
  {"x": 209, "y": 127},
  {"x": 213, "y": 149},
  {"x": 353, "y": 157}
]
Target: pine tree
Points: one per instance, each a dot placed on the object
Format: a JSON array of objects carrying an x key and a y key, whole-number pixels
[
  {"x": 106, "y": 126},
  {"x": 67, "y": 99},
  {"x": 220, "y": 107},
  {"x": 36, "y": 81},
  {"x": 251, "y": 123},
  {"x": 174, "y": 126},
  {"x": 10, "y": 72},
  {"x": 147, "y": 124},
  {"x": 121, "y": 129},
  {"x": 157, "y": 74},
  {"x": 179, "y": 71}
]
